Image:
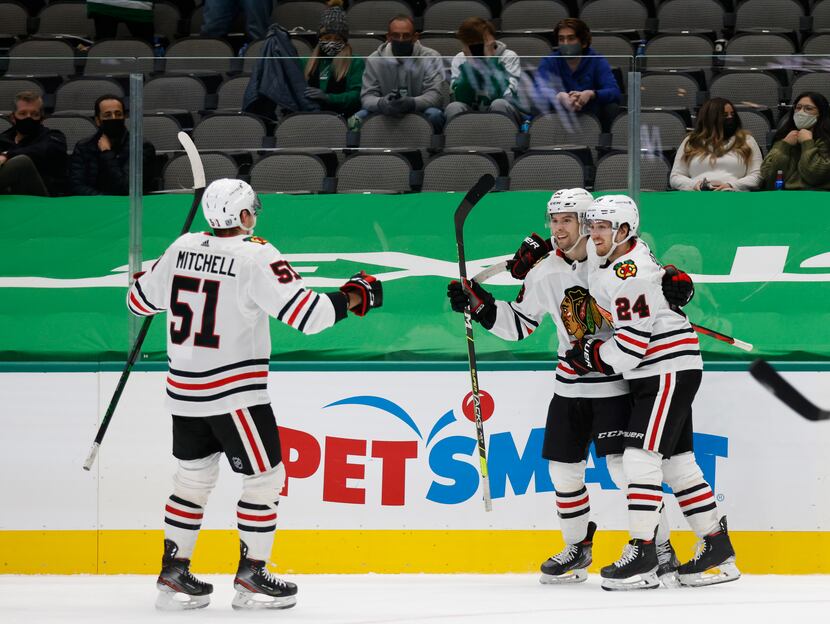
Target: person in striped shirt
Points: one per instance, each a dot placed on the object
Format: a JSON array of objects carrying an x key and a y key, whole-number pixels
[{"x": 219, "y": 289}]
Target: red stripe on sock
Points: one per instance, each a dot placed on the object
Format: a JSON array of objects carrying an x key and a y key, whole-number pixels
[{"x": 183, "y": 514}]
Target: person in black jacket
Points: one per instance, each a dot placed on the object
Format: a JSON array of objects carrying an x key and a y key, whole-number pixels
[
  {"x": 32, "y": 157},
  {"x": 100, "y": 165}
]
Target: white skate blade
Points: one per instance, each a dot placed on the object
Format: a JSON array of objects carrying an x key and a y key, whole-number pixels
[
  {"x": 255, "y": 601},
  {"x": 572, "y": 576},
  {"x": 724, "y": 573},
  {"x": 670, "y": 580},
  {"x": 647, "y": 580},
  {"x": 169, "y": 600}
]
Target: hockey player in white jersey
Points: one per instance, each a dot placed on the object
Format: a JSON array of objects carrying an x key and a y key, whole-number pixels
[
  {"x": 584, "y": 408},
  {"x": 656, "y": 350},
  {"x": 219, "y": 289}
]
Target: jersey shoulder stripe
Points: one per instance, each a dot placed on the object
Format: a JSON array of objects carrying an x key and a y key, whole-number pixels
[
  {"x": 143, "y": 297},
  {"x": 308, "y": 313},
  {"x": 288, "y": 305}
]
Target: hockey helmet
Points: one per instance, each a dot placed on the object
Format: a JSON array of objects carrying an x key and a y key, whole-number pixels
[
  {"x": 576, "y": 200},
  {"x": 225, "y": 199},
  {"x": 617, "y": 209}
]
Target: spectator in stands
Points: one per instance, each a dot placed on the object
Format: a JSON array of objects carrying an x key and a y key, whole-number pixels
[
  {"x": 136, "y": 14},
  {"x": 403, "y": 76},
  {"x": 32, "y": 157},
  {"x": 575, "y": 78},
  {"x": 100, "y": 165},
  {"x": 718, "y": 155},
  {"x": 334, "y": 78},
  {"x": 801, "y": 147},
  {"x": 219, "y": 16},
  {"x": 485, "y": 74}
]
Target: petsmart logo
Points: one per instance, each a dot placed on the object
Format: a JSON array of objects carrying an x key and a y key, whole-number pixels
[{"x": 453, "y": 459}]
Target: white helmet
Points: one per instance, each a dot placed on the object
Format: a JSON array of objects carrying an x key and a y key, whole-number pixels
[
  {"x": 617, "y": 209},
  {"x": 225, "y": 199},
  {"x": 576, "y": 200}
]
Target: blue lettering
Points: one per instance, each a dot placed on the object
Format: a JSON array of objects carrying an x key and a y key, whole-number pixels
[
  {"x": 464, "y": 476},
  {"x": 505, "y": 463}
]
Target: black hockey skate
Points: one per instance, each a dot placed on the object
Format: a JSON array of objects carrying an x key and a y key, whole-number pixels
[
  {"x": 667, "y": 564},
  {"x": 257, "y": 588},
  {"x": 635, "y": 569},
  {"x": 570, "y": 565},
  {"x": 178, "y": 588},
  {"x": 713, "y": 563}
]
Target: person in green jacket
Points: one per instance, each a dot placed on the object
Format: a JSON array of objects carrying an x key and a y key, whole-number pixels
[
  {"x": 334, "y": 78},
  {"x": 801, "y": 147}
]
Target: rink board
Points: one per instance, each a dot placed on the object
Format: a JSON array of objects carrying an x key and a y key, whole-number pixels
[{"x": 382, "y": 475}]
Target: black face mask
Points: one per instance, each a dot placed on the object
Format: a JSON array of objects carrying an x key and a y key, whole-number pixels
[
  {"x": 730, "y": 127},
  {"x": 27, "y": 126},
  {"x": 113, "y": 128},
  {"x": 477, "y": 49},
  {"x": 402, "y": 48}
]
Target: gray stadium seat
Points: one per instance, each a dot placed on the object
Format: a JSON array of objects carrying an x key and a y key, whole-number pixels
[
  {"x": 697, "y": 49},
  {"x": 4, "y": 124},
  {"x": 481, "y": 130},
  {"x": 374, "y": 172},
  {"x": 532, "y": 15},
  {"x": 675, "y": 15},
  {"x": 179, "y": 95},
  {"x": 162, "y": 132},
  {"x": 66, "y": 18},
  {"x": 821, "y": 16},
  {"x": 528, "y": 47},
  {"x": 178, "y": 175},
  {"x": 445, "y": 46},
  {"x": 546, "y": 172},
  {"x": 298, "y": 14},
  {"x": 51, "y": 58},
  {"x": 289, "y": 173},
  {"x": 612, "y": 173},
  {"x": 78, "y": 96},
  {"x": 14, "y": 19},
  {"x": 166, "y": 18},
  {"x": 615, "y": 15},
  {"x": 615, "y": 48},
  {"x": 75, "y": 128},
  {"x": 9, "y": 87},
  {"x": 557, "y": 130},
  {"x": 199, "y": 54},
  {"x": 660, "y": 131},
  {"x": 229, "y": 133},
  {"x": 374, "y": 15},
  {"x": 252, "y": 54},
  {"x": 304, "y": 50},
  {"x": 231, "y": 94},
  {"x": 457, "y": 172},
  {"x": 446, "y": 15},
  {"x": 312, "y": 130},
  {"x": 819, "y": 82},
  {"x": 409, "y": 131},
  {"x": 118, "y": 57},
  {"x": 757, "y": 125},
  {"x": 364, "y": 46},
  {"x": 752, "y": 89},
  {"x": 759, "y": 44},
  {"x": 817, "y": 44},
  {"x": 668, "y": 90},
  {"x": 769, "y": 15}
]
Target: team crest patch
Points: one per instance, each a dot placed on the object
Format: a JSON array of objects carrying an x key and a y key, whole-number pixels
[
  {"x": 581, "y": 314},
  {"x": 256, "y": 239},
  {"x": 625, "y": 269}
]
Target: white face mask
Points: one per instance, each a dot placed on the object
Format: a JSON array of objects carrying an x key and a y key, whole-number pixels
[{"x": 804, "y": 121}]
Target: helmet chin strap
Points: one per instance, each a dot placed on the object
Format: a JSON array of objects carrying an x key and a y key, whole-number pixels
[
  {"x": 574, "y": 246},
  {"x": 602, "y": 259}
]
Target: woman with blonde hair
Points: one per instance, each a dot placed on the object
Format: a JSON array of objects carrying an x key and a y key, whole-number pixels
[
  {"x": 334, "y": 78},
  {"x": 718, "y": 155}
]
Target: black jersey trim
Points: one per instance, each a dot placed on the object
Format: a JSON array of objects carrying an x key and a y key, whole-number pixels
[
  {"x": 636, "y": 332},
  {"x": 217, "y": 396},
  {"x": 639, "y": 356},
  {"x": 221, "y": 369},
  {"x": 529, "y": 320},
  {"x": 676, "y": 332},
  {"x": 183, "y": 502},
  {"x": 694, "y": 488},
  {"x": 573, "y": 514},
  {"x": 136, "y": 311},
  {"x": 340, "y": 301},
  {"x": 518, "y": 323},
  {"x": 669, "y": 356},
  {"x": 253, "y": 506},
  {"x": 642, "y": 507},
  {"x": 589, "y": 380},
  {"x": 645, "y": 486},
  {"x": 572, "y": 494},
  {"x": 288, "y": 305},
  {"x": 698, "y": 510},
  {"x": 182, "y": 525},
  {"x": 308, "y": 312},
  {"x": 253, "y": 529},
  {"x": 143, "y": 297}
]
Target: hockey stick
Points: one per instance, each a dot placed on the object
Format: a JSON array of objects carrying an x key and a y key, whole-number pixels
[
  {"x": 772, "y": 380},
  {"x": 479, "y": 190},
  {"x": 198, "y": 190},
  {"x": 497, "y": 268}
]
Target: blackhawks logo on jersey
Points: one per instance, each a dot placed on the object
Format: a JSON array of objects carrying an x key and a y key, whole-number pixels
[
  {"x": 580, "y": 312},
  {"x": 256, "y": 239},
  {"x": 625, "y": 269}
]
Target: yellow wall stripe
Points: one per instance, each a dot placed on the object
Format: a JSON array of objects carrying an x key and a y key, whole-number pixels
[{"x": 389, "y": 552}]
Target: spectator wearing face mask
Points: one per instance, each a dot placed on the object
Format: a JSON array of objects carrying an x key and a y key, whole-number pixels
[
  {"x": 403, "y": 76},
  {"x": 334, "y": 78},
  {"x": 32, "y": 157},
  {"x": 100, "y": 165},
  {"x": 575, "y": 78},
  {"x": 801, "y": 147},
  {"x": 718, "y": 155}
]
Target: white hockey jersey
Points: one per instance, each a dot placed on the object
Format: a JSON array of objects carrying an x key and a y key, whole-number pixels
[
  {"x": 649, "y": 337},
  {"x": 218, "y": 293},
  {"x": 557, "y": 286}
]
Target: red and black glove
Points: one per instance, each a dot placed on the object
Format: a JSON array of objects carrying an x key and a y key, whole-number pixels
[
  {"x": 533, "y": 249},
  {"x": 584, "y": 358},
  {"x": 678, "y": 288},
  {"x": 482, "y": 304},
  {"x": 370, "y": 290}
]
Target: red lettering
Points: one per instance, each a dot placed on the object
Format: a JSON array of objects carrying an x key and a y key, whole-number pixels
[
  {"x": 393, "y": 456},
  {"x": 337, "y": 470},
  {"x": 308, "y": 455}
]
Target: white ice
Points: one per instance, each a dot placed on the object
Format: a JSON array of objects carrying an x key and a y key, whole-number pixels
[{"x": 428, "y": 599}]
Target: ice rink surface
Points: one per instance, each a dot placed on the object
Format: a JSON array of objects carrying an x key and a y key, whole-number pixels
[{"x": 432, "y": 599}]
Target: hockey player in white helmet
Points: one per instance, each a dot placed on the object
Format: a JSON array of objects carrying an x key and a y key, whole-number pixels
[
  {"x": 655, "y": 349},
  {"x": 583, "y": 408},
  {"x": 219, "y": 289}
]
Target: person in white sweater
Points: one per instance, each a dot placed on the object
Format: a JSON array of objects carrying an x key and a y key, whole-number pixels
[{"x": 717, "y": 155}]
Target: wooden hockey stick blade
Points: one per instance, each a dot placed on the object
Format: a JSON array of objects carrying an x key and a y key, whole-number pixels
[
  {"x": 479, "y": 190},
  {"x": 772, "y": 380},
  {"x": 491, "y": 271},
  {"x": 196, "y": 166},
  {"x": 740, "y": 344}
]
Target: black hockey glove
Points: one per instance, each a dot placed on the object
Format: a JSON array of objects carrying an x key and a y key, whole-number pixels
[
  {"x": 368, "y": 288},
  {"x": 584, "y": 358},
  {"x": 533, "y": 249},
  {"x": 678, "y": 288},
  {"x": 482, "y": 304}
]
